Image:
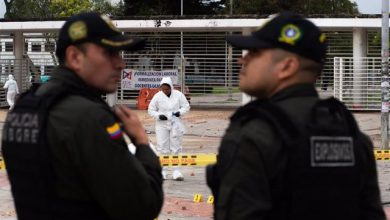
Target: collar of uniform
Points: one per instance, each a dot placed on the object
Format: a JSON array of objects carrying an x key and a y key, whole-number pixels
[
  {"x": 298, "y": 90},
  {"x": 69, "y": 77}
]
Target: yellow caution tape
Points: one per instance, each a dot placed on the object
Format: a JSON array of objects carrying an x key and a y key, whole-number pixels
[
  {"x": 188, "y": 160},
  {"x": 206, "y": 159},
  {"x": 382, "y": 154},
  {"x": 174, "y": 160}
]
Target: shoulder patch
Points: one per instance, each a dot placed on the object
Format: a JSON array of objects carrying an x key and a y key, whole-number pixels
[
  {"x": 330, "y": 151},
  {"x": 114, "y": 131}
]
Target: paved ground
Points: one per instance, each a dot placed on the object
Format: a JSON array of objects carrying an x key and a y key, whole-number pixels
[{"x": 204, "y": 130}]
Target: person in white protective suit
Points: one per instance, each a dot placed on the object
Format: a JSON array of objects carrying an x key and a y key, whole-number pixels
[
  {"x": 167, "y": 107},
  {"x": 12, "y": 90}
]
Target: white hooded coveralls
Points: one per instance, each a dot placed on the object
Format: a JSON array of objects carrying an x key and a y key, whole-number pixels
[
  {"x": 169, "y": 133},
  {"x": 12, "y": 90}
]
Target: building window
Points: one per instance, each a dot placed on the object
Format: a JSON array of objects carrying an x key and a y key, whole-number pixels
[
  {"x": 9, "y": 47},
  {"x": 9, "y": 69},
  {"x": 36, "y": 47},
  {"x": 25, "y": 47},
  {"x": 49, "y": 47},
  {"x": 49, "y": 70}
]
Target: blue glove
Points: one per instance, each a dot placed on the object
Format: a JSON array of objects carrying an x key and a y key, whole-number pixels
[
  {"x": 162, "y": 117},
  {"x": 177, "y": 114}
]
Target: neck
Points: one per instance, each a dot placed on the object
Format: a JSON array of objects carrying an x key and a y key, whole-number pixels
[{"x": 287, "y": 82}]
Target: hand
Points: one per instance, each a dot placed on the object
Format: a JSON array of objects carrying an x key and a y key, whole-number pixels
[
  {"x": 132, "y": 125},
  {"x": 162, "y": 117},
  {"x": 177, "y": 114}
]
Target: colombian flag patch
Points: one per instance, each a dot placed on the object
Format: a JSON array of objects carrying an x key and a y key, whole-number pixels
[{"x": 114, "y": 131}]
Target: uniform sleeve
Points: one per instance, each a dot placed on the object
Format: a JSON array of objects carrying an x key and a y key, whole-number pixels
[
  {"x": 245, "y": 190},
  {"x": 126, "y": 186},
  {"x": 184, "y": 105},
  {"x": 153, "y": 109},
  {"x": 371, "y": 207}
]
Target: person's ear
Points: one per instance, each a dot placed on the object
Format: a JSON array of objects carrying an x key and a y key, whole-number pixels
[
  {"x": 73, "y": 57},
  {"x": 288, "y": 67}
]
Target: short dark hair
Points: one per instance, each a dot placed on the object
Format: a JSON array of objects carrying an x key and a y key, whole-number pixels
[
  {"x": 306, "y": 64},
  {"x": 62, "y": 58}
]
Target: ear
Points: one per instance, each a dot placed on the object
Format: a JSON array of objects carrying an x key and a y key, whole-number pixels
[
  {"x": 288, "y": 67},
  {"x": 73, "y": 58}
]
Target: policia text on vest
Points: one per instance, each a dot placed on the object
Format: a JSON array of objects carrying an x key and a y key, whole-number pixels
[{"x": 22, "y": 128}]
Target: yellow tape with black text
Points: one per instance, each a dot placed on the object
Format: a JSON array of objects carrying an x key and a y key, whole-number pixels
[{"x": 206, "y": 159}]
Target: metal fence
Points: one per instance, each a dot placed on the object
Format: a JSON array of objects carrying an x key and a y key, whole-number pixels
[
  {"x": 209, "y": 70},
  {"x": 208, "y": 80},
  {"x": 357, "y": 82},
  {"x": 213, "y": 81},
  {"x": 19, "y": 68},
  {"x": 207, "y": 64}
]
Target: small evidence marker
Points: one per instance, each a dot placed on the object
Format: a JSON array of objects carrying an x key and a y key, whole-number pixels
[
  {"x": 197, "y": 198},
  {"x": 210, "y": 199}
]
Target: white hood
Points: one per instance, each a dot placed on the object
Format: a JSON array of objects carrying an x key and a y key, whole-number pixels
[{"x": 167, "y": 80}]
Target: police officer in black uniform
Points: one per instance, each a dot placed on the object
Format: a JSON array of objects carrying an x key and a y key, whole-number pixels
[
  {"x": 93, "y": 175},
  {"x": 258, "y": 175}
]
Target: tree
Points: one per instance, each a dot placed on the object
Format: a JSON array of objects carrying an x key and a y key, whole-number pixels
[
  {"x": 29, "y": 9},
  {"x": 7, "y": 7},
  {"x": 259, "y": 7},
  {"x": 325, "y": 7},
  {"x": 171, "y": 7},
  {"x": 26, "y": 8},
  {"x": 306, "y": 7},
  {"x": 250, "y": 7},
  {"x": 106, "y": 8},
  {"x": 66, "y": 8}
]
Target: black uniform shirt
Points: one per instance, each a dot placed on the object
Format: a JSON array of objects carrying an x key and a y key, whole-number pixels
[
  {"x": 91, "y": 158},
  {"x": 253, "y": 179}
]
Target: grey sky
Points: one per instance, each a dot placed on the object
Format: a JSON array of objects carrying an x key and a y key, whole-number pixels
[
  {"x": 369, "y": 6},
  {"x": 2, "y": 8},
  {"x": 365, "y": 7}
]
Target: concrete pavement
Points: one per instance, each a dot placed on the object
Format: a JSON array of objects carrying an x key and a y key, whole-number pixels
[{"x": 205, "y": 129}]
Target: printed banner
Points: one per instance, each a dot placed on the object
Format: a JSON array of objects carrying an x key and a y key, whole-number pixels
[{"x": 137, "y": 79}]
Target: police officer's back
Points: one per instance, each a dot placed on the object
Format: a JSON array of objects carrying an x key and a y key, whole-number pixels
[
  {"x": 64, "y": 148},
  {"x": 290, "y": 155}
]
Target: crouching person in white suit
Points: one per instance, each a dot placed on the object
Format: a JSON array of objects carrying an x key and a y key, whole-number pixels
[
  {"x": 167, "y": 107},
  {"x": 12, "y": 90}
]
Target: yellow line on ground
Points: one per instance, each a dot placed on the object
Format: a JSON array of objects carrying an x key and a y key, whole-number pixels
[
  {"x": 188, "y": 159},
  {"x": 206, "y": 159}
]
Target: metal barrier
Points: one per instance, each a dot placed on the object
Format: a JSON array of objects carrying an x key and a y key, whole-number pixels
[
  {"x": 19, "y": 68},
  {"x": 210, "y": 70},
  {"x": 357, "y": 82},
  {"x": 208, "y": 78}
]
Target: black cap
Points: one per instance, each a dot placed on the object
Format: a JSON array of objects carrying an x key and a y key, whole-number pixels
[
  {"x": 95, "y": 28},
  {"x": 288, "y": 31}
]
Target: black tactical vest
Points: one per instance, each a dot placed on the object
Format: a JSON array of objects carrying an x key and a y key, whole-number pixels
[
  {"x": 27, "y": 158},
  {"x": 323, "y": 174}
]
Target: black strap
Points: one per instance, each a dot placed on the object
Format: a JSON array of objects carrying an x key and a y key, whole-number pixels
[
  {"x": 272, "y": 114},
  {"x": 338, "y": 111}
]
